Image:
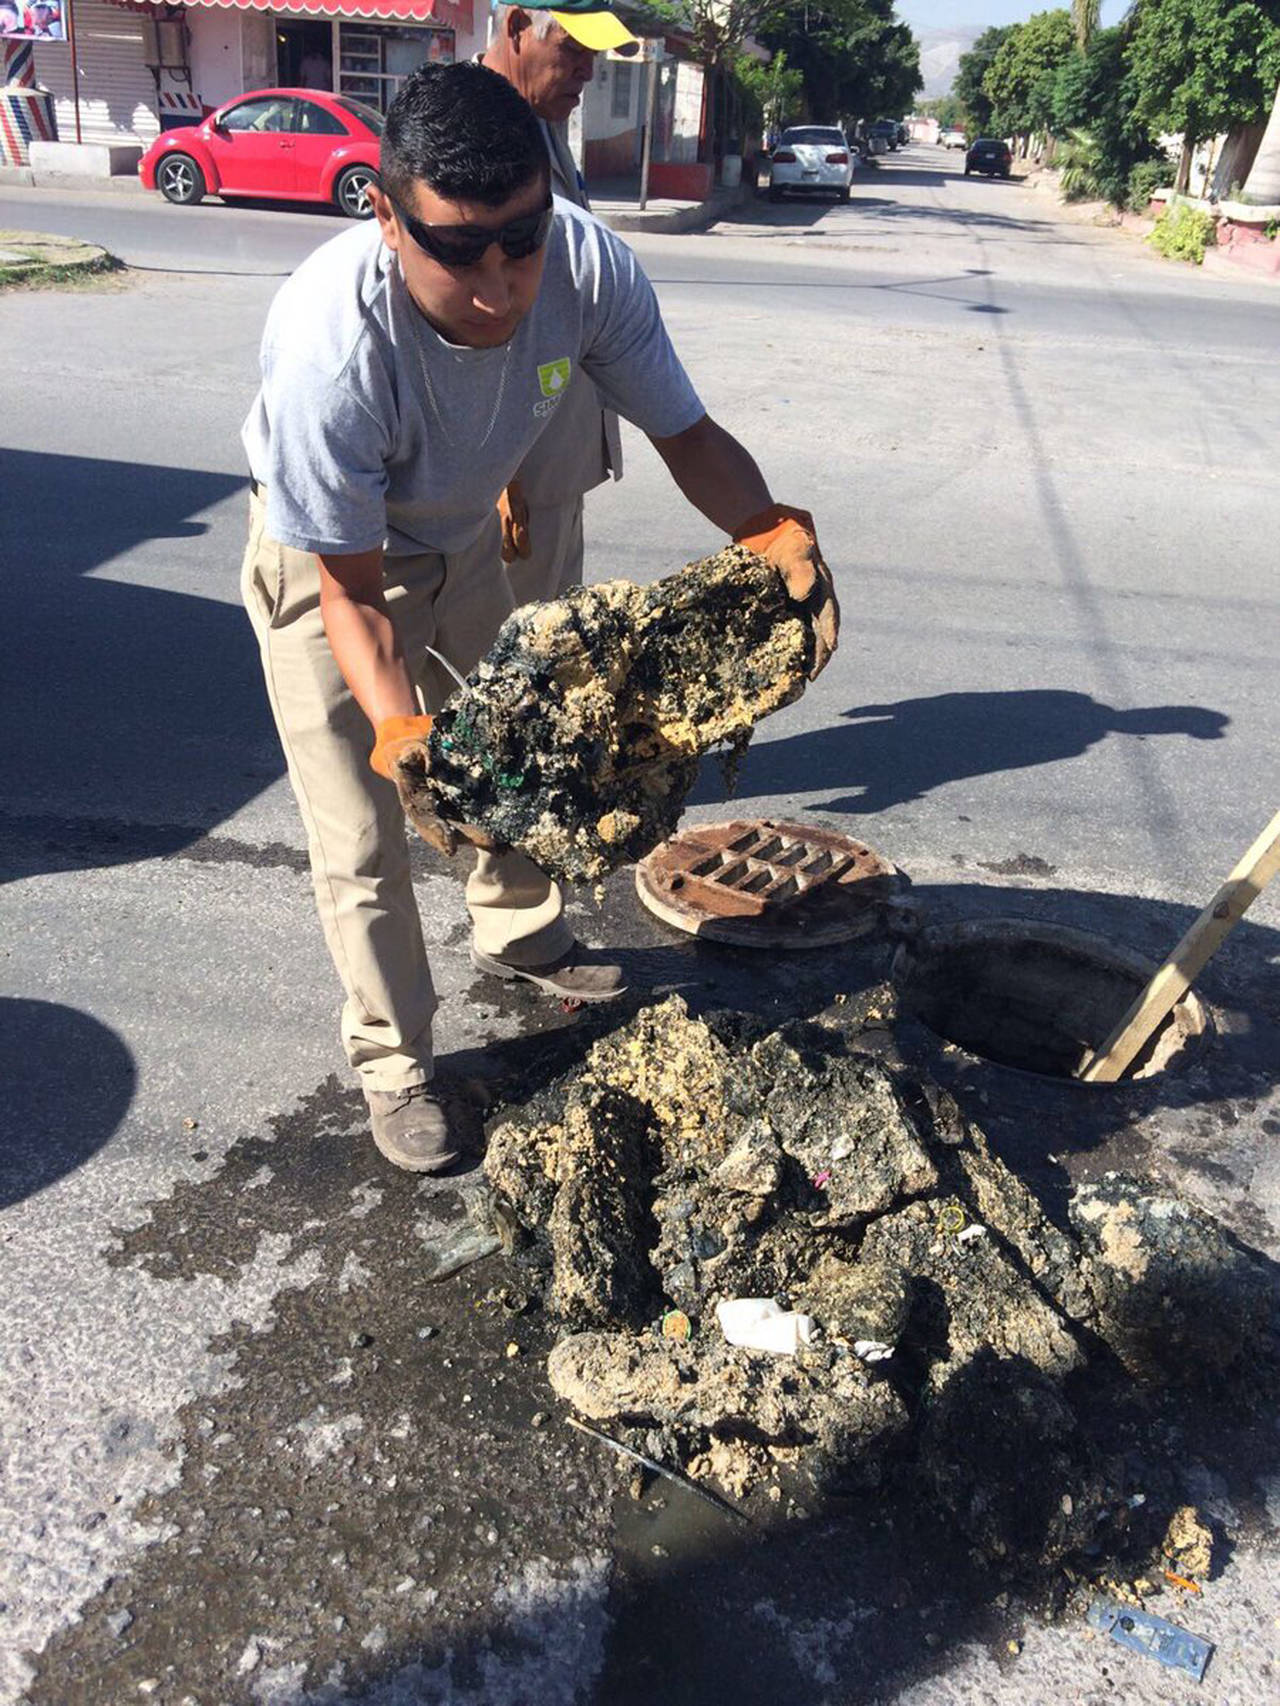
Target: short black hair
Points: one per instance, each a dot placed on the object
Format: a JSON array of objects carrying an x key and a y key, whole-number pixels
[{"x": 463, "y": 131}]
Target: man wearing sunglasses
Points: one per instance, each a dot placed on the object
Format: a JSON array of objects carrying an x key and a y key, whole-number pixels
[
  {"x": 547, "y": 49},
  {"x": 408, "y": 367}
]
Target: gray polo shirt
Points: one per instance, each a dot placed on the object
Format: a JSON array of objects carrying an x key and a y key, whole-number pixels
[{"x": 371, "y": 427}]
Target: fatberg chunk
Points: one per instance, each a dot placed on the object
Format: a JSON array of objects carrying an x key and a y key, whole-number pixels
[{"x": 579, "y": 735}]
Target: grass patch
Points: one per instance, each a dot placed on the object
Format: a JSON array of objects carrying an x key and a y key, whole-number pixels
[{"x": 32, "y": 261}]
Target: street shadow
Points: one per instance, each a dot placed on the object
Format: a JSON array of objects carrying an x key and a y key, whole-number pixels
[
  {"x": 69, "y": 1082},
  {"x": 138, "y": 706},
  {"x": 885, "y": 755}
]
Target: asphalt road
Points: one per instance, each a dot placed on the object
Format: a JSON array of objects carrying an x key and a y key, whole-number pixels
[{"x": 238, "y": 1420}]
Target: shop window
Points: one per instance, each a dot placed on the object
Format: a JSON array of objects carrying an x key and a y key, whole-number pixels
[
  {"x": 622, "y": 80},
  {"x": 373, "y": 62}
]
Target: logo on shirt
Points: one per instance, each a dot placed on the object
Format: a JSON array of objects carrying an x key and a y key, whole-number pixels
[{"x": 553, "y": 376}]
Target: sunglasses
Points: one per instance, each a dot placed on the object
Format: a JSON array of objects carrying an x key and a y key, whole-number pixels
[{"x": 464, "y": 245}]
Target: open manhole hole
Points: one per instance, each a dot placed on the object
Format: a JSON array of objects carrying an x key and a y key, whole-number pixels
[
  {"x": 1035, "y": 997},
  {"x": 762, "y": 884}
]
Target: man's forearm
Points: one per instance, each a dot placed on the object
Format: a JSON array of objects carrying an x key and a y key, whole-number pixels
[
  {"x": 718, "y": 475},
  {"x": 363, "y": 640}
]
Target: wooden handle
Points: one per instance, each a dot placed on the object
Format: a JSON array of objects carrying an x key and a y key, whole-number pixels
[{"x": 1172, "y": 981}]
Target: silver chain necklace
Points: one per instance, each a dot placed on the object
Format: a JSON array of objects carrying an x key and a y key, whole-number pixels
[{"x": 431, "y": 391}]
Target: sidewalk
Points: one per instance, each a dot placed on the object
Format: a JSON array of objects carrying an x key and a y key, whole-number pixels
[{"x": 615, "y": 201}]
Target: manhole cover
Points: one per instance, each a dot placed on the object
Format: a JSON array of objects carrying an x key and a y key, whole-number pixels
[{"x": 766, "y": 885}]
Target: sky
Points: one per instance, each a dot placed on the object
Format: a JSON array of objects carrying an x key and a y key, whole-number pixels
[{"x": 951, "y": 14}]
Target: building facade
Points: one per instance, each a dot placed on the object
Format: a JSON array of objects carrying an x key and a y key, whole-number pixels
[{"x": 143, "y": 67}]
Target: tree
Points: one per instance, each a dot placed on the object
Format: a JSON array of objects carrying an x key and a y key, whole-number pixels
[
  {"x": 775, "y": 89},
  {"x": 1018, "y": 81},
  {"x": 947, "y": 109},
  {"x": 858, "y": 61},
  {"x": 1093, "y": 104},
  {"x": 973, "y": 67},
  {"x": 1200, "y": 66},
  {"x": 718, "y": 31},
  {"x": 1084, "y": 20}
]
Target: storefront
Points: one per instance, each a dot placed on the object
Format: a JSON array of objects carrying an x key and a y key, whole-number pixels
[
  {"x": 364, "y": 57},
  {"x": 144, "y": 67}
]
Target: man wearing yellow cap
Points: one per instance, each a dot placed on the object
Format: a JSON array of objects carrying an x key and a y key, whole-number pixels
[{"x": 548, "y": 53}]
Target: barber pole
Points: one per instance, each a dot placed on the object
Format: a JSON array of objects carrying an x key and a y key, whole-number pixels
[{"x": 26, "y": 113}]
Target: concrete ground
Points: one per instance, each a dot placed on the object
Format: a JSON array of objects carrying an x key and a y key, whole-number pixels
[{"x": 255, "y": 1451}]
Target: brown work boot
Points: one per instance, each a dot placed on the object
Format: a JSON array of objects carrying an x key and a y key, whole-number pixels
[
  {"x": 575, "y": 976},
  {"x": 411, "y": 1128}
]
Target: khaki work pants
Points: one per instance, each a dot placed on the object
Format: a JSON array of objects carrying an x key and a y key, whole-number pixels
[
  {"x": 355, "y": 826},
  {"x": 554, "y": 563}
]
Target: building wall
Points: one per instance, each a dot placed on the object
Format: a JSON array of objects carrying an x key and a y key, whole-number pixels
[
  {"x": 612, "y": 115},
  {"x": 217, "y": 70},
  {"x": 234, "y": 51},
  {"x": 257, "y": 50},
  {"x": 117, "y": 92}
]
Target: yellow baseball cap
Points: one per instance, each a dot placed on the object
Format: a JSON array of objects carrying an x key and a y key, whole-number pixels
[{"x": 589, "y": 23}]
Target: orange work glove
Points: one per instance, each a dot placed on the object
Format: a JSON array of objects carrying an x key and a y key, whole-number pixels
[
  {"x": 514, "y": 511},
  {"x": 786, "y": 538},
  {"x": 393, "y": 736},
  {"x": 400, "y": 754}
]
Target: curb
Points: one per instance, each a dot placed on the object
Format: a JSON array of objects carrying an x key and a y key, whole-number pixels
[
  {"x": 695, "y": 217},
  {"x": 25, "y": 178},
  {"x": 1221, "y": 265}
]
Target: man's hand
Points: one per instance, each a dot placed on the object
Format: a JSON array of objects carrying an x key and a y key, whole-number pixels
[
  {"x": 513, "y": 509},
  {"x": 400, "y": 754},
  {"x": 786, "y": 538}
]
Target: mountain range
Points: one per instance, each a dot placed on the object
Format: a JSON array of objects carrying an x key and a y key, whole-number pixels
[{"x": 940, "y": 52}]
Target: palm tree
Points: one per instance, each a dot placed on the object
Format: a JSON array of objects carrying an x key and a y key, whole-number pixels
[
  {"x": 1263, "y": 182},
  {"x": 1084, "y": 15}
]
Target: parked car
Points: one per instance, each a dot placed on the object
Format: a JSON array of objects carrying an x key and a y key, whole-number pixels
[
  {"x": 952, "y": 138},
  {"x": 811, "y": 157},
  {"x": 887, "y": 128},
  {"x": 990, "y": 155},
  {"x": 904, "y": 135},
  {"x": 281, "y": 144}
]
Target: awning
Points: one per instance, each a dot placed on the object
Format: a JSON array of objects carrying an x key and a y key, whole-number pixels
[{"x": 438, "y": 14}]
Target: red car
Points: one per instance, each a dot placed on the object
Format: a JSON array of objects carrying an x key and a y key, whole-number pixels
[{"x": 281, "y": 144}]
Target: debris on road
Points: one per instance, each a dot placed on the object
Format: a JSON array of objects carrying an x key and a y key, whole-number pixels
[
  {"x": 673, "y": 1175},
  {"x": 579, "y": 735},
  {"x": 1154, "y": 1637},
  {"x": 1188, "y": 1548}
]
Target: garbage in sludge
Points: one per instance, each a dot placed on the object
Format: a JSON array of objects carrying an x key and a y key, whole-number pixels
[
  {"x": 758, "y": 1324},
  {"x": 670, "y": 1177}
]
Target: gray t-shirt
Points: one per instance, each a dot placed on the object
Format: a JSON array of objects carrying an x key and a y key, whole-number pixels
[{"x": 371, "y": 427}]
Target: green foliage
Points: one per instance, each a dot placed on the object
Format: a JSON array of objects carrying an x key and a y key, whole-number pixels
[
  {"x": 972, "y": 69},
  {"x": 1018, "y": 80},
  {"x": 772, "y": 93},
  {"x": 1145, "y": 179},
  {"x": 1200, "y": 66},
  {"x": 1090, "y": 93},
  {"x": 1183, "y": 233},
  {"x": 1077, "y": 161},
  {"x": 947, "y": 109},
  {"x": 857, "y": 59}
]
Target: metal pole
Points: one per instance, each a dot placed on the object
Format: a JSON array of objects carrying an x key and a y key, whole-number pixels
[
  {"x": 650, "y": 101},
  {"x": 75, "y": 64}
]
